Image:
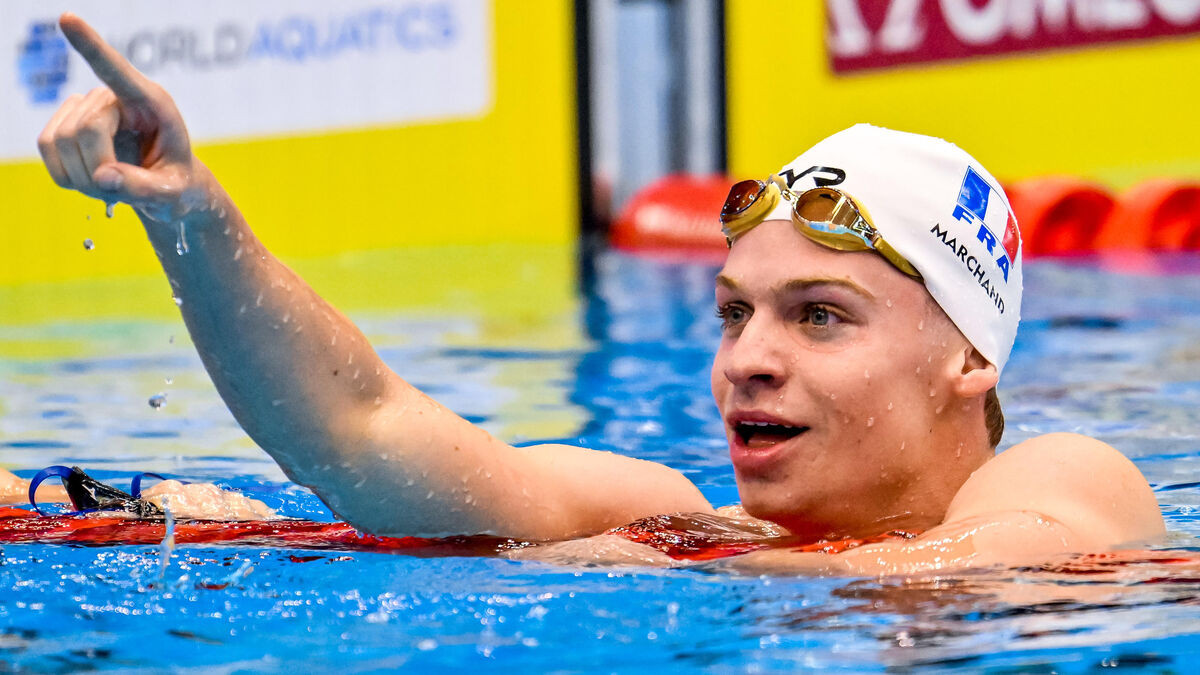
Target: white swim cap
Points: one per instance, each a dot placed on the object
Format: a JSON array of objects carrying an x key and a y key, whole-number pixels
[{"x": 941, "y": 211}]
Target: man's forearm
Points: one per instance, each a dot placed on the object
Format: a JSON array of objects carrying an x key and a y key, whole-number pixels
[{"x": 287, "y": 364}]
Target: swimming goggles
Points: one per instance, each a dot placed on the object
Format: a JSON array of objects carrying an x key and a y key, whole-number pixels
[{"x": 825, "y": 215}]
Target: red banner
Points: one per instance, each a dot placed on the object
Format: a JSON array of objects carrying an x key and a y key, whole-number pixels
[{"x": 873, "y": 34}]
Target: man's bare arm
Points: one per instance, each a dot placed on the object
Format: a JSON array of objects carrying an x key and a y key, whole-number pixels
[{"x": 297, "y": 374}]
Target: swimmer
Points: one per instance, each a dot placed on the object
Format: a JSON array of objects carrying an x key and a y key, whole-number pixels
[{"x": 856, "y": 374}]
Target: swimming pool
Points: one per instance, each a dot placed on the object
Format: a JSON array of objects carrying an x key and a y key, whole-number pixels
[{"x": 1103, "y": 351}]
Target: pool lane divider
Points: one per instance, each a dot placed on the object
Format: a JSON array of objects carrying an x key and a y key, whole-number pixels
[{"x": 676, "y": 217}]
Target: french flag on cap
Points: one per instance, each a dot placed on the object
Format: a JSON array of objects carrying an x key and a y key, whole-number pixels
[{"x": 981, "y": 204}]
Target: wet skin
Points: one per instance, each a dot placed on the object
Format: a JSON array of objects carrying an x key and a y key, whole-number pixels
[{"x": 862, "y": 376}]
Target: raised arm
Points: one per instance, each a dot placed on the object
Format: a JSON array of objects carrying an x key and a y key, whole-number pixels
[{"x": 298, "y": 375}]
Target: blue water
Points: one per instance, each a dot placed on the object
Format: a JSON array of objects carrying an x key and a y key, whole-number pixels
[{"x": 1108, "y": 353}]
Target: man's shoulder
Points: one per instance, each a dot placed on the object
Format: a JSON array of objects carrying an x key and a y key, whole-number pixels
[{"x": 1081, "y": 482}]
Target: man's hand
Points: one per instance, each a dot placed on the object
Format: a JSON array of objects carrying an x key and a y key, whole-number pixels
[
  {"x": 125, "y": 142},
  {"x": 205, "y": 501}
]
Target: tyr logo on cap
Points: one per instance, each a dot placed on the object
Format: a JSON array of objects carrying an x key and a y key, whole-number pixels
[
  {"x": 975, "y": 205},
  {"x": 822, "y": 176}
]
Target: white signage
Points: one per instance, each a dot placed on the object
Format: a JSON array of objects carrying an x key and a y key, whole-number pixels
[{"x": 250, "y": 69}]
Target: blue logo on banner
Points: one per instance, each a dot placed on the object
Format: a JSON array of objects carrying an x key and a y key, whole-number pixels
[{"x": 42, "y": 66}]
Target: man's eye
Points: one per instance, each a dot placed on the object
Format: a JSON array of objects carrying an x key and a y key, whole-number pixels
[
  {"x": 819, "y": 315},
  {"x": 731, "y": 315}
]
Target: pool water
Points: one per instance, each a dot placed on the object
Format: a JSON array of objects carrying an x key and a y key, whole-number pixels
[{"x": 1107, "y": 349}]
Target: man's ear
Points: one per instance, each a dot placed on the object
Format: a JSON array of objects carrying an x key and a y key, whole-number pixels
[{"x": 977, "y": 375}]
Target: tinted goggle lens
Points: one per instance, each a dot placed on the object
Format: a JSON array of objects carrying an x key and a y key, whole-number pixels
[{"x": 742, "y": 196}]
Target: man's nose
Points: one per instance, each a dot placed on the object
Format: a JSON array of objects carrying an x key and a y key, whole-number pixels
[{"x": 758, "y": 356}]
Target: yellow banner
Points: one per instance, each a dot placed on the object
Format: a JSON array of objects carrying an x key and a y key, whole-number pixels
[
  {"x": 507, "y": 177},
  {"x": 1116, "y": 113}
]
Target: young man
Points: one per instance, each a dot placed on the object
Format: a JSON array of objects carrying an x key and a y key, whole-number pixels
[{"x": 856, "y": 374}]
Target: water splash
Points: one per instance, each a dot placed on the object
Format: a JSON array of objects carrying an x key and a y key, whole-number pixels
[
  {"x": 167, "y": 547},
  {"x": 181, "y": 245}
]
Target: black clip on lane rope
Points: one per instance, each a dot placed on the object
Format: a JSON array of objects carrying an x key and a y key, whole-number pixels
[{"x": 89, "y": 495}]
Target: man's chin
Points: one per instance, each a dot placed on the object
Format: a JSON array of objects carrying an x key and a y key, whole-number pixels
[{"x": 804, "y": 515}]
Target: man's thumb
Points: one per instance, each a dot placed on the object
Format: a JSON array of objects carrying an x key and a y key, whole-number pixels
[
  {"x": 109, "y": 177},
  {"x": 128, "y": 183}
]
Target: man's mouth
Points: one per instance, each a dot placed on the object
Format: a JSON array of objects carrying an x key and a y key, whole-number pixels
[{"x": 763, "y": 434}]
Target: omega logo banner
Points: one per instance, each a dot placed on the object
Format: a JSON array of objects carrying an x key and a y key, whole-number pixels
[
  {"x": 873, "y": 34},
  {"x": 242, "y": 69}
]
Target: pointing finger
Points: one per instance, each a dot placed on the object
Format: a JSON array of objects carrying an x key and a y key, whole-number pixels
[{"x": 108, "y": 64}]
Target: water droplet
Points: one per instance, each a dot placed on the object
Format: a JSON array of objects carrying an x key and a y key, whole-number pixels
[
  {"x": 108, "y": 209},
  {"x": 890, "y": 404},
  {"x": 88, "y": 244},
  {"x": 889, "y": 302},
  {"x": 169, "y": 380},
  {"x": 870, "y": 421},
  {"x": 181, "y": 245},
  {"x": 157, "y": 401},
  {"x": 932, "y": 393},
  {"x": 867, "y": 374},
  {"x": 429, "y": 495},
  {"x": 178, "y": 300},
  {"x": 921, "y": 325},
  {"x": 902, "y": 444},
  {"x": 170, "y": 339}
]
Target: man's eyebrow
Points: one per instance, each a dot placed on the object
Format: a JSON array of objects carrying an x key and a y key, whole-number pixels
[
  {"x": 812, "y": 282},
  {"x": 805, "y": 284},
  {"x": 725, "y": 281}
]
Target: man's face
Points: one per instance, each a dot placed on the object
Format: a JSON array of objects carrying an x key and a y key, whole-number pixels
[{"x": 832, "y": 372}]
